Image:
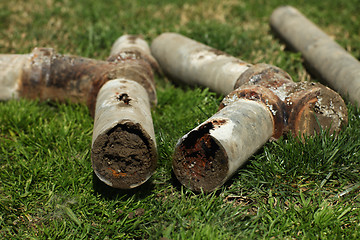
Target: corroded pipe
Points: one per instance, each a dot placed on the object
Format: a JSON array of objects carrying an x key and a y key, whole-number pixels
[
  {"x": 302, "y": 108},
  {"x": 123, "y": 145},
  {"x": 323, "y": 55},
  {"x": 211, "y": 153},
  {"x": 265, "y": 104},
  {"x": 46, "y": 75},
  {"x": 118, "y": 92}
]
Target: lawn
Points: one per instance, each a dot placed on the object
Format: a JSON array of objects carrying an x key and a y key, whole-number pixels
[{"x": 289, "y": 189}]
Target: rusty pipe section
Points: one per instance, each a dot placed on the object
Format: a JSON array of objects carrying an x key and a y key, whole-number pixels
[
  {"x": 197, "y": 64},
  {"x": 46, "y": 75},
  {"x": 267, "y": 107},
  {"x": 211, "y": 153},
  {"x": 119, "y": 93},
  {"x": 124, "y": 151},
  {"x": 265, "y": 104},
  {"x": 292, "y": 104},
  {"x": 325, "y": 57},
  {"x": 302, "y": 108}
]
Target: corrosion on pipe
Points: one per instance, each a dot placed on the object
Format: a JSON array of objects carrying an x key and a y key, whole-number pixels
[
  {"x": 323, "y": 55},
  {"x": 123, "y": 147},
  {"x": 302, "y": 108},
  {"x": 211, "y": 153},
  {"x": 265, "y": 104},
  {"x": 46, "y": 75}
]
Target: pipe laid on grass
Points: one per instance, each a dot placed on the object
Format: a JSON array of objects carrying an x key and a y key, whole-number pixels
[
  {"x": 211, "y": 153},
  {"x": 123, "y": 145},
  {"x": 323, "y": 55},
  {"x": 197, "y": 64},
  {"x": 118, "y": 92},
  {"x": 265, "y": 104}
]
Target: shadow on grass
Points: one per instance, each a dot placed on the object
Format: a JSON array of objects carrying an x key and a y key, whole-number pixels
[
  {"x": 179, "y": 187},
  {"x": 111, "y": 193}
]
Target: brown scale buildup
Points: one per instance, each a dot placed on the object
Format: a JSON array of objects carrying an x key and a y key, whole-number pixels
[
  {"x": 123, "y": 156},
  {"x": 264, "y": 95},
  {"x": 301, "y": 108},
  {"x": 61, "y": 77},
  {"x": 55, "y": 76},
  {"x": 314, "y": 107},
  {"x": 200, "y": 163}
]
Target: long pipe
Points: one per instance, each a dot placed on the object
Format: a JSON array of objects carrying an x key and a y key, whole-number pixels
[{"x": 323, "y": 55}]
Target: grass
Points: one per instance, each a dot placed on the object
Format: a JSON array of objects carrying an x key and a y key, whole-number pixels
[{"x": 288, "y": 190}]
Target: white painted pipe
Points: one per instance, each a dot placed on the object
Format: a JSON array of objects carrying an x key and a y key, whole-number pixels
[
  {"x": 123, "y": 144},
  {"x": 197, "y": 64},
  {"x": 211, "y": 153},
  {"x": 124, "y": 151}
]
